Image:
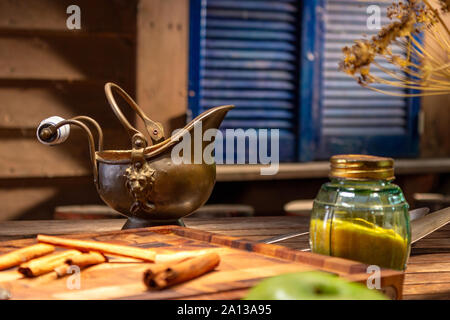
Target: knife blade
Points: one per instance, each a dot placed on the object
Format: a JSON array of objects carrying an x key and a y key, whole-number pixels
[
  {"x": 415, "y": 214},
  {"x": 423, "y": 226}
]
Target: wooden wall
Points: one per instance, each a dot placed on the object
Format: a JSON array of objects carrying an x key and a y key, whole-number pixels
[
  {"x": 162, "y": 60},
  {"x": 45, "y": 70},
  {"x": 435, "y": 140}
]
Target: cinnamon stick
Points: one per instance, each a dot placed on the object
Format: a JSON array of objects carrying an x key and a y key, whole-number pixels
[
  {"x": 87, "y": 259},
  {"x": 103, "y": 247},
  {"x": 46, "y": 264},
  {"x": 160, "y": 277},
  {"x": 16, "y": 257},
  {"x": 80, "y": 260}
]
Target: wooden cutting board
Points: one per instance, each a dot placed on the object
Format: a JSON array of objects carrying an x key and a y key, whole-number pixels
[{"x": 243, "y": 264}]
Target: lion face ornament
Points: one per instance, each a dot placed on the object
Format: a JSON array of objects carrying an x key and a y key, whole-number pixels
[{"x": 140, "y": 180}]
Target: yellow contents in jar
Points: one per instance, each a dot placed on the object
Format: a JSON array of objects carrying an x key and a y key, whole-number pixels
[{"x": 360, "y": 240}]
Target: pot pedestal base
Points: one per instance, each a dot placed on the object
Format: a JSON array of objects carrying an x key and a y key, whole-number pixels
[{"x": 135, "y": 223}]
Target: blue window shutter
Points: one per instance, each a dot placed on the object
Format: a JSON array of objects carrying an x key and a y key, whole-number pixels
[
  {"x": 246, "y": 53},
  {"x": 344, "y": 117},
  {"x": 277, "y": 61}
]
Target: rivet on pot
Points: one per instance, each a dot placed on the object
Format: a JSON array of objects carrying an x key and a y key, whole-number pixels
[{"x": 139, "y": 143}]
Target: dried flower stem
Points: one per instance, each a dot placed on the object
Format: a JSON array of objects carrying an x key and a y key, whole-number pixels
[
  {"x": 417, "y": 68},
  {"x": 438, "y": 16}
]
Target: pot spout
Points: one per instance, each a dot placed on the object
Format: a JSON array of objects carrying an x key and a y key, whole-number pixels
[
  {"x": 194, "y": 131},
  {"x": 210, "y": 119}
]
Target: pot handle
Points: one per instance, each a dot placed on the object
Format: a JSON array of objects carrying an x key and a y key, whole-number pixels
[
  {"x": 97, "y": 127},
  {"x": 49, "y": 134},
  {"x": 154, "y": 129}
]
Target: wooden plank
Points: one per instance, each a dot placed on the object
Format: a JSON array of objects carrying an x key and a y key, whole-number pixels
[
  {"x": 251, "y": 172},
  {"x": 105, "y": 212},
  {"x": 23, "y": 156},
  {"x": 105, "y": 59},
  {"x": 162, "y": 61},
  {"x": 35, "y": 199},
  {"x": 85, "y": 212},
  {"x": 431, "y": 250},
  {"x": 25, "y": 104},
  {"x": 435, "y": 140},
  {"x": 439, "y": 234},
  {"x": 422, "y": 289},
  {"x": 320, "y": 169},
  {"x": 29, "y": 229},
  {"x": 427, "y": 296},
  {"x": 300, "y": 170},
  {"x": 11, "y": 230},
  {"x": 432, "y": 243},
  {"x": 50, "y": 15},
  {"x": 426, "y": 258},
  {"x": 428, "y": 277},
  {"x": 16, "y": 201},
  {"x": 436, "y": 116},
  {"x": 428, "y": 267}
]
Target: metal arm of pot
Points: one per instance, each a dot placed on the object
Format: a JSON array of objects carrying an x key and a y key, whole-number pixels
[
  {"x": 47, "y": 133},
  {"x": 154, "y": 129},
  {"x": 97, "y": 127}
]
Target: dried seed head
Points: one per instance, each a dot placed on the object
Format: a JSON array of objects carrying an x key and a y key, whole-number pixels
[
  {"x": 445, "y": 5},
  {"x": 409, "y": 19}
]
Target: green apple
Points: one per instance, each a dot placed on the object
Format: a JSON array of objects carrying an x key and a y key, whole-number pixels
[{"x": 312, "y": 285}]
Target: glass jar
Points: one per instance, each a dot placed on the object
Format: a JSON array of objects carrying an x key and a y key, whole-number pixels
[{"x": 360, "y": 214}]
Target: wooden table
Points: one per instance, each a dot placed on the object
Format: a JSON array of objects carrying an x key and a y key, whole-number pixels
[{"x": 427, "y": 275}]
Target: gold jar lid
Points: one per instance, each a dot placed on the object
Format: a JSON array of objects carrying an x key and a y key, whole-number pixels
[{"x": 361, "y": 167}]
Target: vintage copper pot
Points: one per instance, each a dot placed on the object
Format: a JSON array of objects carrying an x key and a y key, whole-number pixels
[{"x": 144, "y": 183}]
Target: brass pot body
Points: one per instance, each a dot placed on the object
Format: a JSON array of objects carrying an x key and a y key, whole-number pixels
[
  {"x": 177, "y": 190},
  {"x": 151, "y": 185},
  {"x": 161, "y": 190}
]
